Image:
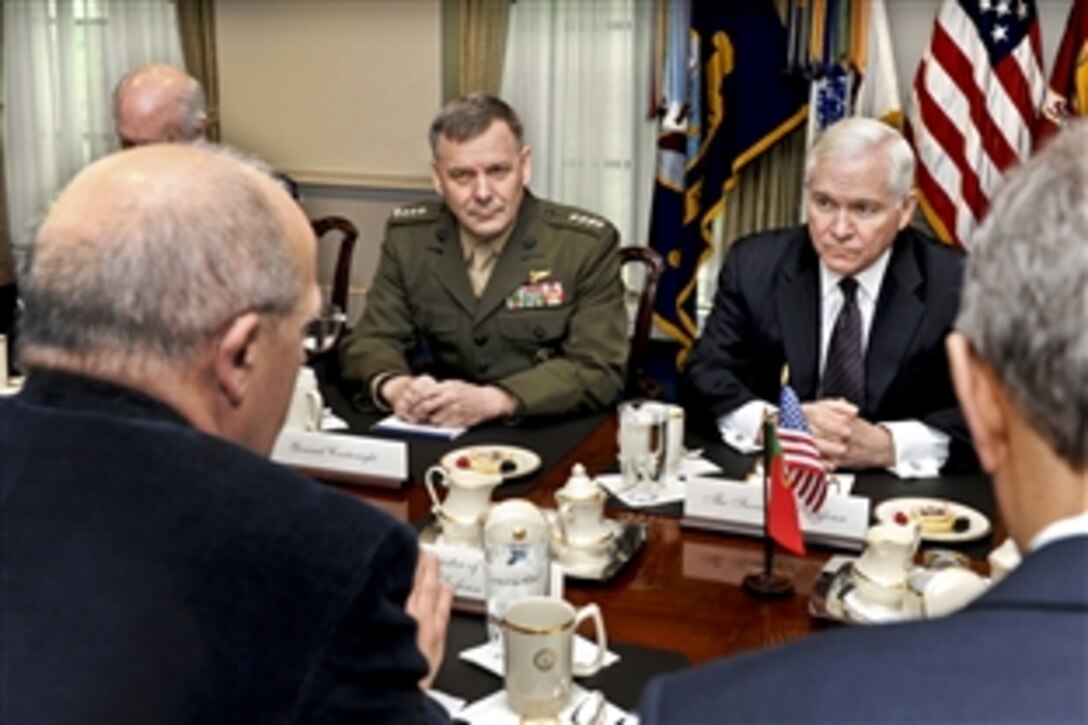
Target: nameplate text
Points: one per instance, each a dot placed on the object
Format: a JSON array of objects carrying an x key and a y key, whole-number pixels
[
  {"x": 738, "y": 506},
  {"x": 350, "y": 455}
]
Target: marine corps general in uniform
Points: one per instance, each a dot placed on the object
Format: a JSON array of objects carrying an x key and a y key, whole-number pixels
[{"x": 515, "y": 303}]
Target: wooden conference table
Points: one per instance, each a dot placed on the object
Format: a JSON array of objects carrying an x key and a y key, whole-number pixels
[{"x": 680, "y": 597}]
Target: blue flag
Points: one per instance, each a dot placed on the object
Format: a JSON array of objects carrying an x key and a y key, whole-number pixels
[{"x": 738, "y": 100}]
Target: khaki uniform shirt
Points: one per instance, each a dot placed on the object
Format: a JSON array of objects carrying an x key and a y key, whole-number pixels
[{"x": 550, "y": 326}]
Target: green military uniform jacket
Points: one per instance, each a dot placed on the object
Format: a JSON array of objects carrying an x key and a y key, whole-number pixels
[{"x": 550, "y": 326}]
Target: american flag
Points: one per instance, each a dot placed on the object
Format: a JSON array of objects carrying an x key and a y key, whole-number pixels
[
  {"x": 974, "y": 107},
  {"x": 804, "y": 467}
]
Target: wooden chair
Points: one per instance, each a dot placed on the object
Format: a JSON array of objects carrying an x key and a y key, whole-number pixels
[
  {"x": 326, "y": 362},
  {"x": 639, "y": 382},
  {"x": 341, "y": 280}
]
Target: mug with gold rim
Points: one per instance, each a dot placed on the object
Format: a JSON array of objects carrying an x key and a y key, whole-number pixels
[{"x": 538, "y": 646}]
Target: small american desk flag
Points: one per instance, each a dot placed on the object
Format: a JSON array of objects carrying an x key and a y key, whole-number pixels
[{"x": 804, "y": 466}]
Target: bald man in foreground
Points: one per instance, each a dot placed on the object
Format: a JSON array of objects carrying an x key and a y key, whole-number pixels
[
  {"x": 157, "y": 567},
  {"x": 1019, "y": 361}
]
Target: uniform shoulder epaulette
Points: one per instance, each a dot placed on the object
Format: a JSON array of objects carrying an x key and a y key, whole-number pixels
[
  {"x": 571, "y": 218},
  {"x": 414, "y": 213}
]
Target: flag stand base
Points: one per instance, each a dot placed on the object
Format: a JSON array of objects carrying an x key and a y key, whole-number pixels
[{"x": 766, "y": 585}]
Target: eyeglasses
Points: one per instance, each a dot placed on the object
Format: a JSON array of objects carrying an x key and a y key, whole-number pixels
[{"x": 323, "y": 332}]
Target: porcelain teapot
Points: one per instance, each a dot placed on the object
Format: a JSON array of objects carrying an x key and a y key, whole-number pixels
[{"x": 580, "y": 504}]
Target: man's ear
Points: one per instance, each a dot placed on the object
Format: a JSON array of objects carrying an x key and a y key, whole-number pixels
[
  {"x": 234, "y": 356},
  {"x": 906, "y": 211},
  {"x": 982, "y": 401},
  {"x": 436, "y": 178},
  {"x": 526, "y": 165}
]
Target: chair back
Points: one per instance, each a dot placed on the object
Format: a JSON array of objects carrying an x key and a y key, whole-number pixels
[
  {"x": 639, "y": 382},
  {"x": 341, "y": 279}
]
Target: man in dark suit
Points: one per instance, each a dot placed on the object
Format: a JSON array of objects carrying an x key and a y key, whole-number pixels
[
  {"x": 1019, "y": 653},
  {"x": 157, "y": 567},
  {"x": 856, "y": 303},
  {"x": 516, "y": 300}
]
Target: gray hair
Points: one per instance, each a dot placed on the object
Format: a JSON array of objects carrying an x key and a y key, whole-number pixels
[
  {"x": 466, "y": 118},
  {"x": 162, "y": 282},
  {"x": 1025, "y": 294},
  {"x": 855, "y": 136},
  {"x": 192, "y": 111}
]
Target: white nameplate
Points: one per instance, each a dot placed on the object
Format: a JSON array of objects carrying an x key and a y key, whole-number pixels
[
  {"x": 737, "y": 506},
  {"x": 348, "y": 457},
  {"x": 462, "y": 567}
]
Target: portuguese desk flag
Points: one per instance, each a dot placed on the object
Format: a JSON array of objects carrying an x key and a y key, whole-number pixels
[{"x": 783, "y": 522}]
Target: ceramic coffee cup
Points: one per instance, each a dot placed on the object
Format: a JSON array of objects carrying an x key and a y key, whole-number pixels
[
  {"x": 1003, "y": 559},
  {"x": 538, "y": 635},
  {"x": 949, "y": 590},
  {"x": 306, "y": 407}
]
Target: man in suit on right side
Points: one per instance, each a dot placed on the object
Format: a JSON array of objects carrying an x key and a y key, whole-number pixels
[
  {"x": 857, "y": 304},
  {"x": 1019, "y": 360}
]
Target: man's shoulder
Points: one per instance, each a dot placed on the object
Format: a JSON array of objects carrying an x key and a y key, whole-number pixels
[
  {"x": 416, "y": 214},
  {"x": 771, "y": 241},
  {"x": 769, "y": 253},
  {"x": 564, "y": 218}
]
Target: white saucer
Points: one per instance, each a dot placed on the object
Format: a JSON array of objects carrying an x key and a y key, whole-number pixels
[
  {"x": 862, "y": 611},
  {"x": 580, "y": 562}
]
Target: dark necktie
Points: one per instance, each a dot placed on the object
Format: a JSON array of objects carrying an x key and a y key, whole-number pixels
[{"x": 844, "y": 373}]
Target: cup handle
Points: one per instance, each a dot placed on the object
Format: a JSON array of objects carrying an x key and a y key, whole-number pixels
[
  {"x": 585, "y": 669},
  {"x": 314, "y": 408},
  {"x": 429, "y": 483}
]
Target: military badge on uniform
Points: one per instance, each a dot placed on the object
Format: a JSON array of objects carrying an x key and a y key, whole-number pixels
[{"x": 537, "y": 295}]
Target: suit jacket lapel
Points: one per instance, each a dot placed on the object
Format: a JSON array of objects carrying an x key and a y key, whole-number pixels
[
  {"x": 450, "y": 264},
  {"x": 798, "y": 299},
  {"x": 898, "y": 313}
]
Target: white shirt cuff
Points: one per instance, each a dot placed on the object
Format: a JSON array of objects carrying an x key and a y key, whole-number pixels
[
  {"x": 920, "y": 451},
  {"x": 740, "y": 429}
]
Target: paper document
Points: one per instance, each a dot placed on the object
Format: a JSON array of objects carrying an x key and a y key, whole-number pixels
[{"x": 393, "y": 424}]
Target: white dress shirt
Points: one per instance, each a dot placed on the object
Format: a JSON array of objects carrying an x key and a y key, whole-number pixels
[
  {"x": 920, "y": 450},
  {"x": 1061, "y": 529}
]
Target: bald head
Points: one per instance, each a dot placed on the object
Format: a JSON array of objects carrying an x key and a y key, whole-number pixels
[
  {"x": 159, "y": 103},
  {"x": 147, "y": 253}
]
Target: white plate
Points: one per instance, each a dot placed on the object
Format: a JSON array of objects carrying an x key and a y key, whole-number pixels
[
  {"x": 525, "y": 461},
  {"x": 978, "y": 525}
]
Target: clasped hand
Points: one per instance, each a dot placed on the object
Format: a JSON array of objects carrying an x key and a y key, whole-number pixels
[
  {"x": 450, "y": 403},
  {"x": 845, "y": 439}
]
